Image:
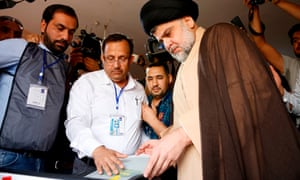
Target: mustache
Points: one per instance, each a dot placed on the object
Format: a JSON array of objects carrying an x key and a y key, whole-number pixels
[
  {"x": 155, "y": 87},
  {"x": 62, "y": 41},
  {"x": 172, "y": 48}
]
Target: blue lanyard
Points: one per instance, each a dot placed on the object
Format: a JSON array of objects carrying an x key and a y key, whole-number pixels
[
  {"x": 118, "y": 96},
  {"x": 45, "y": 66}
]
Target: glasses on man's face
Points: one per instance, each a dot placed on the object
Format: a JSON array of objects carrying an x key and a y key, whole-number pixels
[{"x": 113, "y": 59}]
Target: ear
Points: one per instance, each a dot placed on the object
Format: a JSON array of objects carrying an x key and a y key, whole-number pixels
[
  {"x": 130, "y": 60},
  {"x": 189, "y": 21},
  {"x": 170, "y": 78},
  {"x": 43, "y": 26},
  {"x": 102, "y": 58}
]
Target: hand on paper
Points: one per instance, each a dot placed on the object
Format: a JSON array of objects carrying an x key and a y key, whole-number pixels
[
  {"x": 108, "y": 160},
  {"x": 164, "y": 152}
]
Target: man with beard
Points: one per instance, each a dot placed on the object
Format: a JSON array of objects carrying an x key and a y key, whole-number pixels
[
  {"x": 229, "y": 122},
  {"x": 158, "y": 114},
  {"x": 288, "y": 66},
  {"x": 32, "y": 88}
]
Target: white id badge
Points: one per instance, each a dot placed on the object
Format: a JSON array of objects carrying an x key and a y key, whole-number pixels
[
  {"x": 37, "y": 96},
  {"x": 117, "y": 125}
]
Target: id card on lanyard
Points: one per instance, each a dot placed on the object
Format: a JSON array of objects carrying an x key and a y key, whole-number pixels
[
  {"x": 117, "y": 120},
  {"x": 37, "y": 94}
]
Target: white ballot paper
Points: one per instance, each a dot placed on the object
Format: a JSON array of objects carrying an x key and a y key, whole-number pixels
[{"x": 134, "y": 165}]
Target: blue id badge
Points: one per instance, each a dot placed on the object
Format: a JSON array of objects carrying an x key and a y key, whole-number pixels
[{"x": 117, "y": 125}]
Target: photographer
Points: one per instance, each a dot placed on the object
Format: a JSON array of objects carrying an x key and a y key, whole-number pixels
[
  {"x": 288, "y": 66},
  {"x": 84, "y": 56}
]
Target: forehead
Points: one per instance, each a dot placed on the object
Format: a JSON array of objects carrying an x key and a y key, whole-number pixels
[
  {"x": 117, "y": 47},
  {"x": 65, "y": 20},
  {"x": 161, "y": 29},
  {"x": 296, "y": 34},
  {"x": 155, "y": 70}
]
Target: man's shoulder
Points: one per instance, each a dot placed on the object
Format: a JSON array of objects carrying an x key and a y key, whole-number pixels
[
  {"x": 99, "y": 75},
  {"x": 290, "y": 61},
  {"x": 289, "y": 58}
]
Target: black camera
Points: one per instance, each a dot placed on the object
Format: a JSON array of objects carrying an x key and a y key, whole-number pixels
[
  {"x": 156, "y": 49},
  {"x": 257, "y": 2},
  {"x": 90, "y": 45}
]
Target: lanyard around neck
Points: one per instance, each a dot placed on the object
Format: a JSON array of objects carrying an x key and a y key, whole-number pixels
[
  {"x": 117, "y": 96},
  {"x": 45, "y": 66}
]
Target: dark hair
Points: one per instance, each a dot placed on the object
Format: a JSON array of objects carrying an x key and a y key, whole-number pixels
[
  {"x": 52, "y": 9},
  {"x": 12, "y": 19},
  {"x": 160, "y": 64},
  {"x": 115, "y": 38},
  {"x": 293, "y": 29}
]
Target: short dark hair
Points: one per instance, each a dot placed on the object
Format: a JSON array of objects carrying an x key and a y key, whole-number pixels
[
  {"x": 115, "y": 37},
  {"x": 52, "y": 9},
  {"x": 12, "y": 19},
  {"x": 293, "y": 29},
  {"x": 160, "y": 64}
]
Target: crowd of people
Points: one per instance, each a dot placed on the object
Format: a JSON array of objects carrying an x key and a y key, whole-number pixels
[{"x": 216, "y": 119}]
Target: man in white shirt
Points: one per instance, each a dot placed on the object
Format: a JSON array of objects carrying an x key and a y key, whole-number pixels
[{"x": 104, "y": 109}]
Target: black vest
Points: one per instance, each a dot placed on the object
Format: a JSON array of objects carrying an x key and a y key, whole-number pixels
[{"x": 27, "y": 128}]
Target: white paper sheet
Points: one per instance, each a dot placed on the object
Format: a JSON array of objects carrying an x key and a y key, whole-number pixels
[{"x": 134, "y": 165}]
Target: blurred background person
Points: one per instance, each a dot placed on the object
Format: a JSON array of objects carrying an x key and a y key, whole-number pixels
[
  {"x": 158, "y": 114},
  {"x": 288, "y": 67},
  {"x": 10, "y": 27}
]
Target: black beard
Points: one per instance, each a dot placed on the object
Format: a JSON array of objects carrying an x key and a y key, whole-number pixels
[{"x": 51, "y": 45}]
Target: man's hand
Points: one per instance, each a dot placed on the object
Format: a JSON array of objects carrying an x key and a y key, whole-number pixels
[
  {"x": 147, "y": 147},
  {"x": 35, "y": 38},
  {"x": 277, "y": 80},
  {"x": 148, "y": 113},
  {"x": 164, "y": 152},
  {"x": 108, "y": 160},
  {"x": 76, "y": 56},
  {"x": 91, "y": 64}
]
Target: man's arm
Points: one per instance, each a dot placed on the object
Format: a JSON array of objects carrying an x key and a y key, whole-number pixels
[
  {"x": 11, "y": 51},
  {"x": 78, "y": 123},
  {"x": 150, "y": 118},
  {"x": 270, "y": 53},
  {"x": 289, "y": 7}
]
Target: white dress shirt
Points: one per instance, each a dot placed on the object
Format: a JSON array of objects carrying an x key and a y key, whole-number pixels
[{"x": 92, "y": 101}]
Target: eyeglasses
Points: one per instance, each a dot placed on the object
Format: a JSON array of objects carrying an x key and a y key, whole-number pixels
[
  {"x": 113, "y": 59},
  {"x": 12, "y": 19}
]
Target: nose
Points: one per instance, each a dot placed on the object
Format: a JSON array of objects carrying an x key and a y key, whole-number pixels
[
  {"x": 116, "y": 63},
  {"x": 66, "y": 35},
  {"x": 154, "y": 81},
  {"x": 167, "y": 43}
]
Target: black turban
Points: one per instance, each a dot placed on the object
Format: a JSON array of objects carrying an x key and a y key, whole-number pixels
[{"x": 156, "y": 12}]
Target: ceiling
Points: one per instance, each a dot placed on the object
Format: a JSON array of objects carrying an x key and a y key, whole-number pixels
[{"x": 123, "y": 16}]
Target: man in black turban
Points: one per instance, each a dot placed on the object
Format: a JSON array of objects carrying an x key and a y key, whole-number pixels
[
  {"x": 156, "y": 12},
  {"x": 229, "y": 120}
]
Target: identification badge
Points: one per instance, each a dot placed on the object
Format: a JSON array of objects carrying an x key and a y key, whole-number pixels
[
  {"x": 117, "y": 125},
  {"x": 37, "y": 96}
]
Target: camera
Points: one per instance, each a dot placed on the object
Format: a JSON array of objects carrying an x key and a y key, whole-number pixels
[
  {"x": 257, "y": 2},
  {"x": 156, "y": 49},
  {"x": 90, "y": 45}
]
